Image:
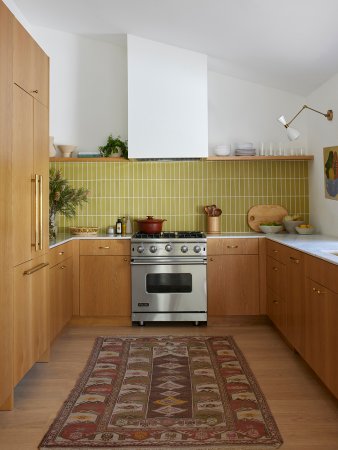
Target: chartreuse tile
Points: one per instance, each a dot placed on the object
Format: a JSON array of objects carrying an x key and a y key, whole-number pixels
[{"x": 179, "y": 190}]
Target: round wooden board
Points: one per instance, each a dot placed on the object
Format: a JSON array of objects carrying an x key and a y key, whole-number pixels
[{"x": 265, "y": 213}]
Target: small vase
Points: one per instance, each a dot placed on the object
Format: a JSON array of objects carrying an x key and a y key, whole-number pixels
[
  {"x": 53, "y": 229},
  {"x": 52, "y": 151}
]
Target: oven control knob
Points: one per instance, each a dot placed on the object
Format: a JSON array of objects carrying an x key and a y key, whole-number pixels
[
  {"x": 153, "y": 248},
  {"x": 168, "y": 247},
  {"x": 197, "y": 249},
  {"x": 184, "y": 249},
  {"x": 140, "y": 249}
]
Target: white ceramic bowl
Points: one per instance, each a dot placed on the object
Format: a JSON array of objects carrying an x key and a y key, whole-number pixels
[
  {"x": 66, "y": 150},
  {"x": 290, "y": 225},
  {"x": 267, "y": 229},
  {"x": 223, "y": 150},
  {"x": 305, "y": 230}
]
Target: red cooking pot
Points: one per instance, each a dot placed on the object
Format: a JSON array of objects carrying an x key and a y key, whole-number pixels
[{"x": 150, "y": 225}]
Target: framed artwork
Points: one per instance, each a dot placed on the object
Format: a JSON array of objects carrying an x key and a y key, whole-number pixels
[{"x": 331, "y": 172}]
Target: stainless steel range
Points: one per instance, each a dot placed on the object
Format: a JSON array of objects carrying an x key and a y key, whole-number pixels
[{"x": 169, "y": 277}]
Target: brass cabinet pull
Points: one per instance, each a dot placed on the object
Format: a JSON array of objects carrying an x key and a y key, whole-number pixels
[
  {"x": 211, "y": 259},
  {"x": 321, "y": 292},
  {"x": 35, "y": 91},
  {"x": 41, "y": 213},
  {"x": 275, "y": 251},
  {"x": 63, "y": 267},
  {"x": 275, "y": 302},
  {"x": 37, "y": 229},
  {"x": 106, "y": 248},
  {"x": 232, "y": 246},
  {"x": 314, "y": 289},
  {"x": 125, "y": 259},
  {"x": 36, "y": 268},
  {"x": 61, "y": 253},
  {"x": 295, "y": 260},
  {"x": 275, "y": 269}
]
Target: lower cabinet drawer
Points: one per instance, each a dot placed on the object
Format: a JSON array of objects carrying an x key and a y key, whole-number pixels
[
  {"x": 276, "y": 310},
  {"x": 105, "y": 247},
  {"x": 276, "y": 276}
]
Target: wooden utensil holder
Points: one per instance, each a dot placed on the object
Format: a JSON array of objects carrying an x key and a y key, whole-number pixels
[{"x": 213, "y": 224}]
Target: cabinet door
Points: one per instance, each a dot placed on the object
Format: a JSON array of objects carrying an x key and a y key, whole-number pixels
[
  {"x": 30, "y": 183},
  {"x": 6, "y": 299},
  {"x": 295, "y": 300},
  {"x": 23, "y": 189},
  {"x": 233, "y": 285},
  {"x": 321, "y": 335},
  {"x": 276, "y": 310},
  {"x": 31, "y": 315},
  {"x": 105, "y": 286},
  {"x": 61, "y": 296},
  {"x": 30, "y": 64}
]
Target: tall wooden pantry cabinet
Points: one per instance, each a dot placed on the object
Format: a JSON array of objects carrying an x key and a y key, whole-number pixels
[{"x": 26, "y": 202}]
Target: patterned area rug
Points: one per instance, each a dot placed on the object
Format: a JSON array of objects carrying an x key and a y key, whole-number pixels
[{"x": 156, "y": 393}]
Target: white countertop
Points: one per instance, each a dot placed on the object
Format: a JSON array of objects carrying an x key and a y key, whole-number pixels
[
  {"x": 313, "y": 244},
  {"x": 62, "y": 238},
  {"x": 249, "y": 234}
]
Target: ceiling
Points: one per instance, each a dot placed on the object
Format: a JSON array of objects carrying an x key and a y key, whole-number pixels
[{"x": 290, "y": 45}]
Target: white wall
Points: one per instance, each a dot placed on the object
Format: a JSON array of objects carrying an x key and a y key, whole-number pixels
[
  {"x": 241, "y": 111},
  {"x": 88, "y": 88},
  {"x": 322, "y": 133}
]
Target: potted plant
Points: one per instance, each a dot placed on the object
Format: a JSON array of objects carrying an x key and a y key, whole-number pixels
[
  {"x": 114, "y": 145},
  {"x": 63, "y": 199}
]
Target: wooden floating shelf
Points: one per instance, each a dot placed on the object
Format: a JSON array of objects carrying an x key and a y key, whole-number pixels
[
  {"x": 255, "y": 158},
  {"x": 209, "y": 158},
  {"x": 113, "y": 159}
]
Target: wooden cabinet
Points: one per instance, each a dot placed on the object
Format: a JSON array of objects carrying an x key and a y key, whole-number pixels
[
  {"x": 233, "y": 277},
  {"x": 321, "y": 312},
  {"x": 6, "y": 270},
  {"x": 285, "y": 282},
  {"x": 31, "y": 313},
  {"x": 61, "y": 288},
  {"x": 30, "y": 65},
  {"x": 105, "y": 278},
  {"x": 29, "y": 177}
]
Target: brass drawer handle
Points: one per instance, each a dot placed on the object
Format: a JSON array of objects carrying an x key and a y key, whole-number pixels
[
  {"x": 275, "y": 269},
  {"x": 105, "y": 248},
  {"x": 211, "y": 259},
  {"x": 61, "y": 253},
  {"x": 321, "y": 292},
  {"x": 35, "y": 91},
  {"x": 232, "y": 246},
  {"x": 35, "y": 269},
  {"x": 275, "y": 302},
  {"x": 295, "y": 260},
  {"x": 125, "y": 259},
  {"x": 275, "y": 251},
  {"x": 63, "y": 267}
]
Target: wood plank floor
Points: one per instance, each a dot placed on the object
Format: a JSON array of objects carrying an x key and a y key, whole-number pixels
[{"x": 306, "y": 413}]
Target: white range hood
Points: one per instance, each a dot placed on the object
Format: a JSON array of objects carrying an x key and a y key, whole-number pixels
[{"x": 167, "y": 101}]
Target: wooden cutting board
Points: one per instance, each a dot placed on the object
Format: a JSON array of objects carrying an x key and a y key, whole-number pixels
[{"x": 265, "y": 213}]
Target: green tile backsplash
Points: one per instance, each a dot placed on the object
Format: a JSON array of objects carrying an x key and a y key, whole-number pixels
[{"x": 177, "y": 191}]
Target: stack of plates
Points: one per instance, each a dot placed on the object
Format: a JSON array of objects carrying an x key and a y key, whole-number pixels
[{"x": 245, "y": 149}]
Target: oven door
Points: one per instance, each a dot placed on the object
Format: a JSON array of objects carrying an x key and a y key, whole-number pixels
[{"x": 169, "y": 287}]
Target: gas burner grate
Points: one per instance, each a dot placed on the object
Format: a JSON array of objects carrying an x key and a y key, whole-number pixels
[
  {"x": 170, "y": 235},
  {"x": 190, "y": 234}
]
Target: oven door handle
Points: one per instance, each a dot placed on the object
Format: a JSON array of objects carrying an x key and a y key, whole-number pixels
[{"x": 168, "y": 261}]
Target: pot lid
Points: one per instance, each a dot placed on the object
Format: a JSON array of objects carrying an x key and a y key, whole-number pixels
[{"x": 150, "y": 219}]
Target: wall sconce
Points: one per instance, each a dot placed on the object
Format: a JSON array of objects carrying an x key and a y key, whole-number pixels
[{"x": 294, "y": 134}]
